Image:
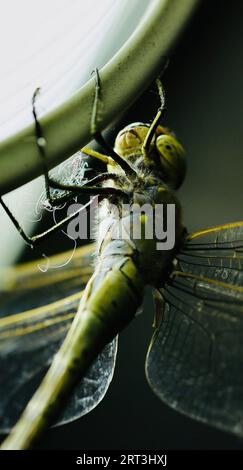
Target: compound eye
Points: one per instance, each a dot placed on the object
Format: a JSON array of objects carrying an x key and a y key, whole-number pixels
[
  {"x": 172, "y": 159},
  {"x": 129, "y": 141}
]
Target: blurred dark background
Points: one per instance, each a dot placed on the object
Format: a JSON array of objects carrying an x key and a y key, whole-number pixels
[{"x": 203, "y": 84}]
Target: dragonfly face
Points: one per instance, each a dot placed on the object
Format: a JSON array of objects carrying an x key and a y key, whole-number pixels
[
  {"x": 158, "y": 169},
  {"x": 166, "y": 155}
]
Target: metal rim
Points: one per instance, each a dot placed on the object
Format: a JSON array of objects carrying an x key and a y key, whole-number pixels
[{"x": 124, "y": 78}]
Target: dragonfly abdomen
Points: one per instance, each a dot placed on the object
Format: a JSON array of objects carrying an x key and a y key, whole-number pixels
[{"x": 110, "y": 301}]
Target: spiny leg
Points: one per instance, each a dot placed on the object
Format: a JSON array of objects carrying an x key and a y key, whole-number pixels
[
  {"x": 54, "y": 201},
  {"x": 129, "y": 171},
  {"x": 57, "y": 202},
  {"x": 36, "y": 239},
  {"x": 15, "y": 222},
  {"x": 41, "y": 143},
  {"x": 101, "y": 178},
  {"x": 50, "y": 182},
  {"x": 72, "y": 189},
  {"x": 91, "y": 190},
  {"x": 155, "y": 123}
]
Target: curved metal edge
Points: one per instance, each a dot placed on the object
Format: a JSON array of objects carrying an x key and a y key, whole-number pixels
[{"x": 124, "y": 78}]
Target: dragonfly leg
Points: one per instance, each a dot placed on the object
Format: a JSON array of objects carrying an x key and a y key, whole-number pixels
[
  {"x": 155, "y": 123},
  {"x": 41, "y": 144},
  {"x": 95, "y": 132},
  {"x": 73, "y": 189},
  {"x": 92, "y": 190},
  {"x": 36, "y": 239},
  {"x": 100, "y": 156},
  {"x": 16, "y": 223},
  {"x": 103, "y": 177},
  {"x": 90, "y": 186}
]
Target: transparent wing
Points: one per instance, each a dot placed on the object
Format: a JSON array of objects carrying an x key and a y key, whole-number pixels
[
  {"x": 195, "y": 360},
  {"x": 39, "y": 282},
  {"x": 30, "y": 338}
]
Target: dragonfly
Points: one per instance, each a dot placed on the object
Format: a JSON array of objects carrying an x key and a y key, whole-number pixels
[{"x": 68, "y": 319}]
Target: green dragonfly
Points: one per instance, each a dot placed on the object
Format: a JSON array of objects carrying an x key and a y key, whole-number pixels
[{"x": 70, "y": 317}]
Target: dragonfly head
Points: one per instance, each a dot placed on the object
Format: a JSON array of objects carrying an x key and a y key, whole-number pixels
[{"x": 166, "y": 155}]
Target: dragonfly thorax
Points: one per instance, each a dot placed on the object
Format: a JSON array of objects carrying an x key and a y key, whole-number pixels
[
  {"x": 147, "y": 228},
  {"x": 165, "y": 155}
]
